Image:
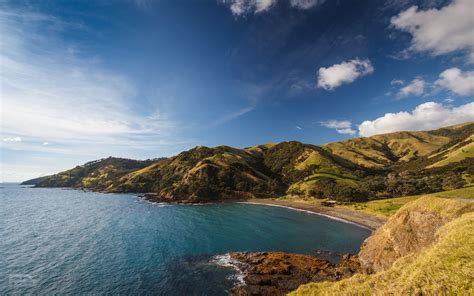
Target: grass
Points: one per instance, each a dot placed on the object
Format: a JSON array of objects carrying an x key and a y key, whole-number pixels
[
  {"x": 388, "y": 207},
  {"x": 456, "y": 155},
  {"x": 447, "y": 268}
]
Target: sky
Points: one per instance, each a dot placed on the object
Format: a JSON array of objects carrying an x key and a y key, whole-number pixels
[{"x": 84, "y": 80}]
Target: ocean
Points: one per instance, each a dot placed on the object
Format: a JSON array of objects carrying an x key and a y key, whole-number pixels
[{"x": 63, "y": 241}]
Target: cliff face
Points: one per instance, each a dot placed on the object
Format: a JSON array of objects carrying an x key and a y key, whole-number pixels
[
  {"x": 411, "y": 230},
  {"x": 416, "y": 253}
]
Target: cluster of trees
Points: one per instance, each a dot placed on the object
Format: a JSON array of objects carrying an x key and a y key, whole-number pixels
[{"x": 392, "y": 183}]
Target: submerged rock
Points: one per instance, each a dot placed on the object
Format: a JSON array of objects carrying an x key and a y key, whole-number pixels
[{"x": 277, "y": 273}]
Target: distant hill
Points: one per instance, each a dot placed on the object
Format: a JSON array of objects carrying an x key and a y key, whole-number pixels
[
  {"x": 388, "y": 165},
  {"x": 98, "y": 174}
]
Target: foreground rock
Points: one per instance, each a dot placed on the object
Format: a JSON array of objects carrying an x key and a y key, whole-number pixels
[{"x": 277, "y": 273}]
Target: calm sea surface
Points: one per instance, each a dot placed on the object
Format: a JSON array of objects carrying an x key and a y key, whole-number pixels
[{"x": 60, "y": 241}]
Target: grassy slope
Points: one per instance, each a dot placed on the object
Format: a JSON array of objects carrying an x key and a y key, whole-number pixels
[
  {"x": 445, "y": 268},
  {"x": 381, "y": 150},
  {"x": 388, "y": 207},
  {"x": 98, "y": 174},
  {"x": 456, "y": 155}
]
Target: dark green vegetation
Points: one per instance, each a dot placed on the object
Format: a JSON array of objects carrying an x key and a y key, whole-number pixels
[{"x": 389, "y": 165}]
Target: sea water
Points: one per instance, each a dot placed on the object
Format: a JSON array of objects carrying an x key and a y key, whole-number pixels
[{"x": 63, "y": 241}]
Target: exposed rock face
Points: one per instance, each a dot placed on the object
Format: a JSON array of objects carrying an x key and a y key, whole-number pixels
[
  {"x": 277, "y": 273},
  {"x": 410, "y": 230}
]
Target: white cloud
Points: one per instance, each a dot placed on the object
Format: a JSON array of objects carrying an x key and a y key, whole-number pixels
[
  {"x": 45, "y": 143},
  {"x": 298, "y": 127},
  {"x": 241, "y": 7},
  {"x": 448, "y": 100},
  {"x": 416, "y": 87},
  {"x": 12, "y": 139},
  {"x": 50, "y": 92},
  {"x": 345, "y": 72},
  {"x": 430, "y": 115},
  {"x": 453, "y": 79},
  {"x": 440, "y": 31},
  {"x": 397, "y": 82},
  {"x": 341, "y": 126},
  {"x": 305, "y": 4}
]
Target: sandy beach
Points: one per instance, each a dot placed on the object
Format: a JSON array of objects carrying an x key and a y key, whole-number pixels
[{"x": 363, "y": 219}]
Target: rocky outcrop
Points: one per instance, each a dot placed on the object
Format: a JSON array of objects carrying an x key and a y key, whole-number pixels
[
  {"x": 410, "y": 230},
  {"x": 277, "y": 273}
]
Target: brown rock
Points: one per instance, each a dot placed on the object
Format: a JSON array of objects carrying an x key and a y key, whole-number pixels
[{"x": 277, "y": 273}]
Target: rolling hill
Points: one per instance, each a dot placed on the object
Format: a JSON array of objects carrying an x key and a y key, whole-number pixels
[{"x": 388, "y": 165}]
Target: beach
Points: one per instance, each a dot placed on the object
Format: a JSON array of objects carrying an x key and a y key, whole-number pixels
[{"x": 371, "y": 222}]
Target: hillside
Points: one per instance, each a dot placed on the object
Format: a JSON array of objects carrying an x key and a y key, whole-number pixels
[
  {"x": 97, "y": 175},
  {"x": 360, "y": 169},
  {"x": 424, "y": 249}
]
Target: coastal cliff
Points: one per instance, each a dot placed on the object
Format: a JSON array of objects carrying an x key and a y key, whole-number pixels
[
  {"x": 424, "y": 249},
  {"x": 412, "y": 229}
]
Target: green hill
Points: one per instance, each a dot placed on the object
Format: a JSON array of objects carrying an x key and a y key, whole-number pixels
[{"x": 360, "y": 169}]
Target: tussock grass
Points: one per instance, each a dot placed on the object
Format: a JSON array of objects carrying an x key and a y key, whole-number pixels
[{"x": 447, "y": 268}]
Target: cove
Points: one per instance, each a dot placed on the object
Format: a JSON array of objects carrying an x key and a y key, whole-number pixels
[{"x": 75, "y": 242}]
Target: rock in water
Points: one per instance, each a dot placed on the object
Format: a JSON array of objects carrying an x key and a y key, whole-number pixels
[{"x": 277, "y": 273}]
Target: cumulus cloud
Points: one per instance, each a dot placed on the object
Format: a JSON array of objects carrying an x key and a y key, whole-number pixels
[
  {"x": 345, "y": 72},
  {"x": 457, "y": 81},
  {"x": 439, "y": 31},
  {"x": 12, "y": 139},
  {"x": 416, "y": 87},
  {"x": 430, "y": 115},
  {"x": 341, "y": 126}
]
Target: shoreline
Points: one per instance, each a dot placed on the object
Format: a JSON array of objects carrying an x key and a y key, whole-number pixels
[
  {"x": 360, "y": 219},
  {"x": 345, "y": 215}
]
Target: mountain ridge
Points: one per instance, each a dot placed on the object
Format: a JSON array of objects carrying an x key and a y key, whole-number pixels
[{"x": 394, "y": 164}]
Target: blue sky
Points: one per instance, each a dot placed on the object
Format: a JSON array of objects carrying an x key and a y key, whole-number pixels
[{"x": 82, "y": 80}]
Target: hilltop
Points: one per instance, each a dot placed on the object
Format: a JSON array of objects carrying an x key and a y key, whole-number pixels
[{"x": 360, "y": 169}]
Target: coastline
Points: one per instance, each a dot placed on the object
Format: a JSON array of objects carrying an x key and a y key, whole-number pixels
[{"x": 361, "y": 219}]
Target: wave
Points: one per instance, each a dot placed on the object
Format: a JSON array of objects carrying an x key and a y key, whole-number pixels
[{"x": 227, "y": 261}]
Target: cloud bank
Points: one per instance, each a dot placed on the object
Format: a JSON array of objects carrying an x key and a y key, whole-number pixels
[
  {"x": 440, "y": 31},
  {"x": 343, "y": 73},
  {"x": 430, "y": 115}
]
